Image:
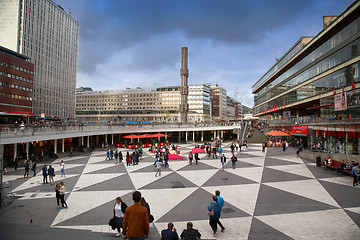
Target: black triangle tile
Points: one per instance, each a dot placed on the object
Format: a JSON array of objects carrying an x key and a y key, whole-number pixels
[
  {"x": 241, "y": 164},
  {"x": 226, "y": 178},
  {"x": 320, "y": 172},
  {"x": 96, "y": 216},
  {"x": 77, "y": 161},
  {"x": 260, "y": 230},
  {"x": 272, "y": 175},
  {"x": 273, "y": 201},
  {"x": 199, "y": 166},
  {"x": 73, "y": 170},
  {"x": 120, "y": 168},
  {"x": 152, "y": 168},
  {"x": 246, "y": 155},
  {"x": 354, "y": 216},
  {"x": 345, "y": 196},
  {"x": 194, "y": 207},
  {"x": 172, "y": 180},
  {"x": 122, "y": 182},
  {"x": 277, "y": 162}
]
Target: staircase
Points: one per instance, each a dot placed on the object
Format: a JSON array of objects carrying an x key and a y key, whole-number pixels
[{"x": 256, "y": 137}]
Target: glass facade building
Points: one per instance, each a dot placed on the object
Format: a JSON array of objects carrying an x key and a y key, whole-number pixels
[{"x": 318, "y": 79}]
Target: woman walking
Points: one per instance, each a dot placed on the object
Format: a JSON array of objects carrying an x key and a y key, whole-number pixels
[
  {"x": 233, "y": 161},
  {"x": 62, "y": 195},
  {"x": 51, "y": 172},
  {"x": 27, "y": 169},
  {"x": 57, "y": 191},
  {"x": 118, "y": 214},
  {"x": 190, "y": 157},
  {"x": 34, "y": 167},
  {"x": 116, "y": 156},
  {"x": 145, "y": 204},
  {"x": 120, "y": 157},
  {"x": 62, "y": 168},
  {"x": 214, "y": 208},
  {"x": 128, "y": 160}
]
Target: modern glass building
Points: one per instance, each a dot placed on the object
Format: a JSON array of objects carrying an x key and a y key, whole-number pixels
[
  {"x": 316, "y": 84},
  {"x": 43, "y": 31}
]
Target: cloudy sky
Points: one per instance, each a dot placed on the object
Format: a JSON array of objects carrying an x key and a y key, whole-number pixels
[{"x": 137, "y": 43}]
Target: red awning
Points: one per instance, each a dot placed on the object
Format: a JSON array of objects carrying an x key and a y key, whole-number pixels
[
  {"x": 21, "y": 113},
  {"x": 159, "y": 135},
  {"x": 321, "y": 106}
]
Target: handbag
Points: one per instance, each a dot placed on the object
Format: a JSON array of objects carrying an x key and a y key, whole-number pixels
[
  {"x": 212, "y": 212},
  {"x": 112, "y": 223}
]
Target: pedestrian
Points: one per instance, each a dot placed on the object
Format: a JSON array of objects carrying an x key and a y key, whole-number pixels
[
  {"x": 232, "y": 148},
  {"x": 158, "y": 167},
  {"x": 41, "y": 155},
  {"x": 215, "y": 209},
  {"x": 34, "y": 167},
  {"x": 136, "y": 220},
  {"x": 51, "y": 173},
  {"x": 284, "y": 146},
  {"x": 118, "y": 214},
  {"x": 62, "y": 195},
  {"x": 166, "y": 158},
  {"x": 190, "y": 233},
  {"x": 263, "y": 147},
  {"x": 45, "y": 174},
  {"x": 27, "y": 169},
  {"x": 233, "y": 161},
  {"x": 57, "y": 193},
  {"x": 116, "y": 156},
  {"x": 145, "y": 204},
  {"x": 221, "y": 202},
  {"x": 107, "y": 155},
  {"x": 111, "y": 154},
  {"x": 354, "y": 173},
  {"x": 169, "y": 233},
  {"x": 120, "y": 157},
  {"x": 214, "y": 152},
  {"x": 237, "y": 147},
  {"x": 62, "y": 168},
  {"x": 220, "y": 150},
  {"x": 71, "y": 151},
  {"x": 128, "y": 160},
  {"x": 190, "y": 157},
  {"x": 223, "y": 161},
  {"x": 133, "y": 158},
  {"x": 196, "y": 158}
]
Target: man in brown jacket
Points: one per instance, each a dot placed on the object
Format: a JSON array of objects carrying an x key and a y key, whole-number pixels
[{"x": 136, "y": 220}]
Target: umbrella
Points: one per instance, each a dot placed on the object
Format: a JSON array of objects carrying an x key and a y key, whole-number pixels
[
  {"x": 159, "y": 135},
  {"x": 145, "y": 136},
  {"x": 277, "y": 134},
  {"x": 131, "y": 136}
]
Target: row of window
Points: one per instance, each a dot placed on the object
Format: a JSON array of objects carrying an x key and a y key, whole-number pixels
[
  {"x": 8, "y": 95},
  {"x": 15, "y": 77},
  {"x": 9, "y": 65},
  {"x": 129, "y": 108},
  {"x": 4, "y": 84}
]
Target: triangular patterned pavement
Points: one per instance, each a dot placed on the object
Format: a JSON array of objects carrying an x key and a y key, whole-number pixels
[
  {"x": 341, "y": 194},
  {"x": 272, "y": 175},
  {"x": 273, "y": 201},
  {"x": 241, "y": 164},
  {"x": 87, "y": 180},
  {"x": 151, "y": 168},
  {"x": 111, "y": 169},
  {"x": 222, "y": 178},
  {"x": 195, "y": 208},
  {"x": 172, "y": 180},
  {"x": 260, "y": 230},
  {"x": 122, "y": 182},
  {"x": 277, "y": 162},
  {"x": 198, "y": 177},
  {"x": 199, "y": 166}
]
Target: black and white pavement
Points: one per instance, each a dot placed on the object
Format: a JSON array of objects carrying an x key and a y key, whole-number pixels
[{"x": 271, "y": 195}]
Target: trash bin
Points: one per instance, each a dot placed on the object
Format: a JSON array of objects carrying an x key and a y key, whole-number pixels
[{"x": 318, "y": 161}]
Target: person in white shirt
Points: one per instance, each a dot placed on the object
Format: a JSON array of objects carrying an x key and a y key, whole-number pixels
[
  {"x": 158, "y": 167},
  {"x": 118, "y": 215},
  {"x": 62, "y": 168}
]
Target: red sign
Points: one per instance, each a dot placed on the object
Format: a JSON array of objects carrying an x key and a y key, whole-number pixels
[{"x": 299, "y": 130}]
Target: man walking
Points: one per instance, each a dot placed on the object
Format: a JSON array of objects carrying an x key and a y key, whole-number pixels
[
  {"x": 221, "y": 202},
  {"x": 136, "y": 220},
  {"x": 158, "y": 167},
  {"x": 223, "y": 161}
]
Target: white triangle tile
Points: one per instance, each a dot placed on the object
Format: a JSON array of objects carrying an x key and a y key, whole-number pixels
[
  {"x": 213, "y": 163},
  {"x": 307, "y": 188},
  {"x": 198, "y": 177},
  {"x": 314, "y": 225},
  {"x": 288, "y": 159},
  {"x": 347, "y": 181},
  {"x": 252, "y": 173},
  {"x": 92, "y": 199},
  {"x": 134, "y": 168},
  {"x": 67, "y": 166},
  {"x": 97, "y": 159},
  {"x": 38, "y": 180},
  {"x": 144, "y": 178},
  {"x": 87, "y": 180},
  {"x": 38, "y": 195},
  {"x": 68, "y": 159},
  {"x": 297, "y": 169},
  {"x": 95, "y": 167},
  {"x": 92, "y": 228},
  {"x": 254, "y": 160},
  {"x": 243, "y": 196},
  {"x": 355, "y": 210},
  {"x": 177, "y": 164},
  {"x": 159, "y": 197},
  {"x": 7, "y": 178}
]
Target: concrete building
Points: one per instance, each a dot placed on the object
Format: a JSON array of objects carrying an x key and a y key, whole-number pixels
[
  {"x": 218, "y": 102},
  {"x": 16, "y": 83},
  {"x": 313, "y": 89},
  {"x": 43, "y": 31}
]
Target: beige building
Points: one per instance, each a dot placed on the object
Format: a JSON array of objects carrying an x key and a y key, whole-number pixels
[{"x": 44, "y": 32}]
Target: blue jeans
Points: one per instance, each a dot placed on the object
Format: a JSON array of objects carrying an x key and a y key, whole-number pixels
[
  {"x": 62, "y": 172},
  {"x": 223, "y": 165},
  {"x": 137, "y": 238}
]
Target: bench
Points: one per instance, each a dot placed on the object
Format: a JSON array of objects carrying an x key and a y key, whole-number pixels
[{"x": 335, "y": 165}]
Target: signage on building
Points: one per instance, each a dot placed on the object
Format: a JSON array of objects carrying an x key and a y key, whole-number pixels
[
  {"x": 353, "y": 98},
  {"x": 299, "y": 130},
  {"x": 42, "y": 115},
  {"x": 340, "y": 101},
  {"x": 287, "y": 114}
]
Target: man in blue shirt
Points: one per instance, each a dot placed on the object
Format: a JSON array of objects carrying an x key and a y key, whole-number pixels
[
  {"x": 169, "y": 233},
  {"x": 221, "y": 202}
]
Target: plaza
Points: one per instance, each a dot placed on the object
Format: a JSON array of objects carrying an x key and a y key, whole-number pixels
[{"x": 270, "y": 195}]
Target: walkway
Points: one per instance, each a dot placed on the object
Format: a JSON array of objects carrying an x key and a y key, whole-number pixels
[{"x": 268, "y": 196}]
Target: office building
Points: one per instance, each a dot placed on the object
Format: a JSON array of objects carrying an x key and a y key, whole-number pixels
[
  {"x": 43, "y": 31},
  {"x": 16, "y": 83},
  {"x": 313, "y": 89}
]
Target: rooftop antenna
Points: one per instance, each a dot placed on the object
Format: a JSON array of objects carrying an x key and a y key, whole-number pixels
[
  {"x": 236, "y": 93},
  {"x": 70, "y": 11}
]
